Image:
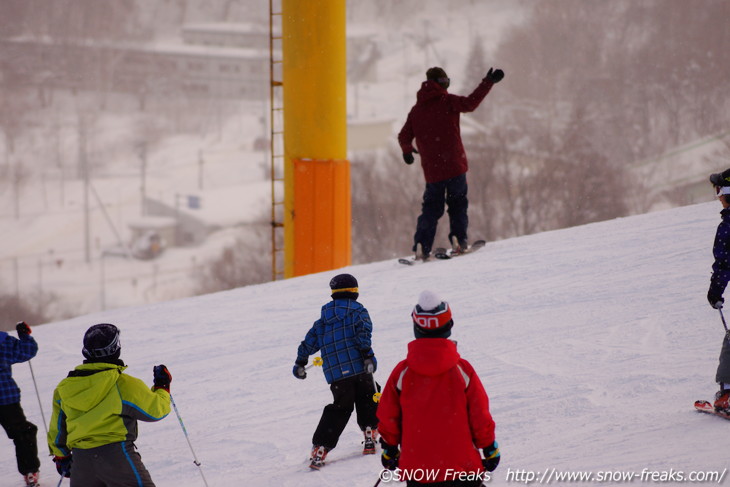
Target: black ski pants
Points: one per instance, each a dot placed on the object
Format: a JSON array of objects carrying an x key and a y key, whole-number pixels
[
  {"x": 355, "y": 392},
  {"x": 451, "y": 193},
  {"x": 723, "y": 368},
  {"x": 23, "y": 434},
  {"x": 112, "y": 465}
]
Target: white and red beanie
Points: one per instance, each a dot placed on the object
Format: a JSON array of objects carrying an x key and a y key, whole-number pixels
[{"x": 431, "y": 317}]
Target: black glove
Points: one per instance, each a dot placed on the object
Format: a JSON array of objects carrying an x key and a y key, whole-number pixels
[
  {"x": 715, "y": 300},
  {"x": 408, "y": 156},
  {"x": 369, "y": 361},
  {"x": 23, "y": 329},
  {"x": 390, "y": 455},
  {"x": 63, "y": 465},
  {"x": 162, "y": 377},
  {"x": 491, "y": 457},
  {"x": 299, "y": 371},
  {"x": 494, "y": 75}
]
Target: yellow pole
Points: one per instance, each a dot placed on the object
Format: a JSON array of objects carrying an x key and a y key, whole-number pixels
[{"x": 315, "y": 129}]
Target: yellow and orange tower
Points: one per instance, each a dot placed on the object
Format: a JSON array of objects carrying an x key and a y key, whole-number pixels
[{"x": 317, "y": 210}]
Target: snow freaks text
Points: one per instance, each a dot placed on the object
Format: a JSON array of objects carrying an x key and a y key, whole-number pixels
[{"x": 428, "y": 475}]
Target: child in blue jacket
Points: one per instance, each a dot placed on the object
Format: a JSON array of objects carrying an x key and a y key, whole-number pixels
[
  {"x": 343, "y": 336},
  {"x": 12, "y": 418}
]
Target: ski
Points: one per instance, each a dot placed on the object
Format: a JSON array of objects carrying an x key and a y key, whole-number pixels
[
  {"x": 706, "y": 407},
  {"x": 444, "y": 254}
]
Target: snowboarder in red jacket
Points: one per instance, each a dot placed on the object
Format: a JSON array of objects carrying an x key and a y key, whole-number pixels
[
  {"x": 435, "y": 407},
  {"x": 434, "y": 124}
]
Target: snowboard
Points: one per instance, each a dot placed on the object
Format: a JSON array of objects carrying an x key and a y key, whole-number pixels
[
  {"x": 444, "y": 254},
  {"x": 706, "y": 407}
]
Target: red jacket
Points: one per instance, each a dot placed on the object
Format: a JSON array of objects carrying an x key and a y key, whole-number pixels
[
  {"x": 436, "y": 408},
  {"x": 434, "y": 123}
]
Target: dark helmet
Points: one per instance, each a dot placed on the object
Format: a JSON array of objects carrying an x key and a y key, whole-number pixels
[{"x": 102, "y": 341}]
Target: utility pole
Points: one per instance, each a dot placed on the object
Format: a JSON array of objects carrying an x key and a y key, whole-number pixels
[
  {"x": 201, "y": 161},
  {"x": 84, "y": 166},
  {"x": 143, "y": 175}
]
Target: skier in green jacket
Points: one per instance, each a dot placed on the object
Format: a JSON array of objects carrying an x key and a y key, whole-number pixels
[{"x": 95, "y": 413}]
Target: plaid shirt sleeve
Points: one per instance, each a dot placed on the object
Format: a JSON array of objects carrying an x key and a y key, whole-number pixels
[{"x": 13, "y": 351}]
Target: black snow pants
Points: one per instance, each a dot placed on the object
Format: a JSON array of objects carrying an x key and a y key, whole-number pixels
[
  {"x": 112, "y": 465},
  {"x": 355, "y": 392},
  {"x": 23, "y": 434},
  {"x": 452, "y": 193},
  {"x": 723, "y": 368}
]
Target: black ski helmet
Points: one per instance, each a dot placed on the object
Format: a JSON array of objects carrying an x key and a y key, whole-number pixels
[
  {"x": 102, "y": 342},
  {"x": 344, "y": 286}
]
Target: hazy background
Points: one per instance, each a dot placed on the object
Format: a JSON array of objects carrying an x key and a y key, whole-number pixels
[{"x": 607, "y": 109}]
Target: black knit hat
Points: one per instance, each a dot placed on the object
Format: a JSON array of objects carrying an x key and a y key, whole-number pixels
[
  {"x": 344, "y": 286},
  {"x": 439, "y": 76},
  {"x": 431, "y": 317},
  {"x": 101, "y": 343}
]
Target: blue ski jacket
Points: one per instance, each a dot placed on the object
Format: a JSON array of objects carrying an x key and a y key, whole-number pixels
[
  {"x": 721, "y": 252},
  {"x": 343, "y": 335},
  {"x": 13, "y": 351}
]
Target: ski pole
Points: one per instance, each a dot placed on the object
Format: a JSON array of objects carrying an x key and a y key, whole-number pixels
[
  {"x": 185, "y": 431},
  {"x": 378, "y": 482},
  {"x": 60, "y": 481},
  {"x": 317, "y": 362},
  {"x": 376, "y": 395},
  {"x": 38, "y": 395}
]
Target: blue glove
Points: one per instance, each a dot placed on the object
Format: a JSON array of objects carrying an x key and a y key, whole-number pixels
[
  {"x": 162, "y": 377},
  {"x": 63, "y": 465},
  {"x": 391, "y": 455},
  {"x": 491, "y": 457}
]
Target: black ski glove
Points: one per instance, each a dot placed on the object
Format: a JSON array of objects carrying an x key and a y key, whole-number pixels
[
  {"x": 408, "y": 156},
  {"x": 63, "y": 465},
  {"x": 494, "y": 75},
  {"x": 715, "y": 300},
  {"x": 162, "y": 377},
  {"x": 390, "y": 455},
  {"x": 299, "y": 371},
  {"x": 491, "y": 457},
  {"x": 369, "y": 361},
  {"x": 23, "y": 329}
]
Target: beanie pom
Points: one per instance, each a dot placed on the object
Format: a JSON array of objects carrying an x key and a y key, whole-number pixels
[{"x": 428, "y": 300}]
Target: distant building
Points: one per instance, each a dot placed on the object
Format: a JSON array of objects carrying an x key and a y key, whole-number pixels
[{"x": 213, "y": 61}]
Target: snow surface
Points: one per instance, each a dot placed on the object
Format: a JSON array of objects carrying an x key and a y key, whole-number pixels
[{"x": 592, "y": 342}]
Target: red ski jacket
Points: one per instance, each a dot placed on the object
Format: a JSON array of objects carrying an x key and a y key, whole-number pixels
[
  {"x": 436, "y": 408},
  {"x": 434, "y": 123}
]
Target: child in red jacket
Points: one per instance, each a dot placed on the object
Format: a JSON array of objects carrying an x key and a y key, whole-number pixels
[{"x": 435, "y": 407}]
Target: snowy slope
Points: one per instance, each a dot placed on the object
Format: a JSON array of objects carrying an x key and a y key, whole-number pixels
[{"x": 592, "y": 342}]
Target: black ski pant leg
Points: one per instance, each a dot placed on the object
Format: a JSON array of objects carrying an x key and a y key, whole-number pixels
[
  {"x": 112, "y": 465},
  {"x": 23, "y": 433},
  {"x": 336, "y": 415},
  {"x": 458, "y": 204},
  {"x": 365, "y": 407},
  {"x": 432, "y": 209},
  {"x": 723, "y": 368}
]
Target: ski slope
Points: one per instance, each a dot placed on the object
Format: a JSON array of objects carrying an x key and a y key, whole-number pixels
[{"x": 592, "y": 342}]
